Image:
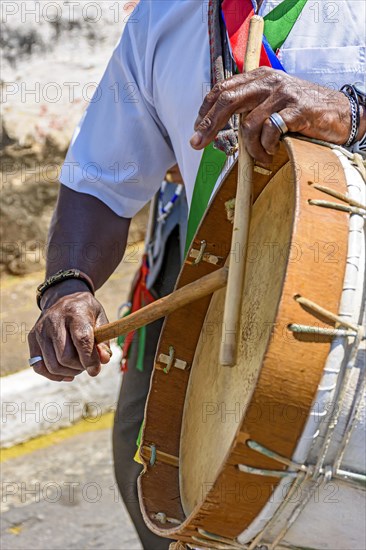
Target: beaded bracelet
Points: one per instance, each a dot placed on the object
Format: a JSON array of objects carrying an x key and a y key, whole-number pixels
[{"x": 59, "y": 277}]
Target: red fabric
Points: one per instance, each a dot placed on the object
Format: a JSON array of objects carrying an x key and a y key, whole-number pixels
[
  {"x": 237, "y": 15},
  {"x": 141, "y": 297}
]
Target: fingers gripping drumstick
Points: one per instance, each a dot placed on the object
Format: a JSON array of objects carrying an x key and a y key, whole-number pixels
[{"x": 243, "y": 199}]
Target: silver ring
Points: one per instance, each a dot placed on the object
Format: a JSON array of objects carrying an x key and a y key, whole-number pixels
[
  {"x": 33, "y": 360},
  {"x": 280, "y": 124}
]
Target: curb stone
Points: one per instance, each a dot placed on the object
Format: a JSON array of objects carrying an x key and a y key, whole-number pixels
[{"x": 32, "y": 406}]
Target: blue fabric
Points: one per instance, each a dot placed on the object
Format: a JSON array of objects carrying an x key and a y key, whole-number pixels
[{"x": 275, "y": 62}]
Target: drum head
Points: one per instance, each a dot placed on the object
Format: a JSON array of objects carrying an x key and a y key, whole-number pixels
[{"x": 217, "y": 397}]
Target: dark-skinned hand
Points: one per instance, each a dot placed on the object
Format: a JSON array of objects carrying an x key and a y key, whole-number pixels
[
  {"x": 64, "y": 334},
  {"x": 311, "y": 110}
]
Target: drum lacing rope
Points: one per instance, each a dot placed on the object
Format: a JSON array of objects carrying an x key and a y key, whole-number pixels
[
  {"x": 295, "y": 486},
  {"x": 217, "y": 542},
  {"x": 328, "y": 314},
  {"x": 343, "y": 382},
  {"x": 358, "y": 333},
  {"x": 356, "y": 159},
  {"x": 336, "y": 206},
  {"x": 214, "y": 545},
  {"x": 318, "y": 473},
  {"x": 295, "y": 514},
  {"x": 353, "y": 417},
  {"x": 300, "y": 479},
  {"x": 308, "y": 329},
  {"x": 354, "y": 207},
  {"x": 310, "y": 470},
  {"x": 338, "y": 195},
  {"x": 163, "y": 518},
  {"x": 343, "y": 386}
]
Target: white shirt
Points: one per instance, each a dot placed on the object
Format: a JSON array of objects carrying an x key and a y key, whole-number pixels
[{"x": 141, "y": 119}]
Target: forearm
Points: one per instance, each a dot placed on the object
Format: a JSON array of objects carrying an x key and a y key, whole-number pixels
[{"x": 87, "y": 235}]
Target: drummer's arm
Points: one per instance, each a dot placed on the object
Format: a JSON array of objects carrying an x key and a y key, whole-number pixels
[
  {"x": 87, "y": 235},
  {"x": 98, "y": 236}
]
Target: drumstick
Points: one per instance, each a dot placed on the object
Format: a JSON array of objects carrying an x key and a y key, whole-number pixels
[
  {"x": 189, "y": 293},
  {"x": 233, "y": 300}
]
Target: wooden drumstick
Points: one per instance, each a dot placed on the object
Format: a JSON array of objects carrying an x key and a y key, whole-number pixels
[
  {"x": 243, "y": 200},
  {"x": 185, "y": 295}
]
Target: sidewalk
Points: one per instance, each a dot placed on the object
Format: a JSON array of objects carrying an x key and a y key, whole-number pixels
[{"x": 65, "y": 496}]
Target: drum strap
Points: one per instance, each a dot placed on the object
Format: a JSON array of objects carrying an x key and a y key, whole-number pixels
[{"x": 236, "y": 15}]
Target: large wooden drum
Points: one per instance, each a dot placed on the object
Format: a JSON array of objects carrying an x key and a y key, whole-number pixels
[{"x": 271, "y": 451}]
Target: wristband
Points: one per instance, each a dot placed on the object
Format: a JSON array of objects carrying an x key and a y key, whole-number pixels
[
  {"x": 358, "y": 95},
  {"x": 356, "y": 98},
  {"x": 59, "y": 277},
  {"x": 355, "y": 118}
]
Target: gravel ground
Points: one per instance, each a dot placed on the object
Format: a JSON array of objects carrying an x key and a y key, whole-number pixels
[{"x": 65, "y": 497}]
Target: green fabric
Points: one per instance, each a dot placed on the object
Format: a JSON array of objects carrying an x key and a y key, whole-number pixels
[
  {"x": 138, "y": 440},
  {"x": 277, "y": 26},
  {"x": 141, "y": 343},
  {"x": 210, "y": 168},
  {"x": 121, "y": 339},
  {"x": 279, "y": 22},
  {"x": 141, "y": 348}
]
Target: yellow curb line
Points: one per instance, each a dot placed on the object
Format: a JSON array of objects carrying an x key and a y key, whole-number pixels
[{"x": 89, "y": 424}]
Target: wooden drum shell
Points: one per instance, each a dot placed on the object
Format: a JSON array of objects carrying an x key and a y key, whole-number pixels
[{"x": 289, "y": 374}]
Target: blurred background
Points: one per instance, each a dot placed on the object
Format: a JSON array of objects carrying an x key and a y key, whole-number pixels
[{"x": 58, "y": 489}]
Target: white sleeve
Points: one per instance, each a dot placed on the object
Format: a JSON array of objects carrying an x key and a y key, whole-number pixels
[{"x": 120, "y": 151}]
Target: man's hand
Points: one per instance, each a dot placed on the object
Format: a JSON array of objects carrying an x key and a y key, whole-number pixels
[
  {"x": 311, "y": 110},
  {"x": 64, "y": 335}
]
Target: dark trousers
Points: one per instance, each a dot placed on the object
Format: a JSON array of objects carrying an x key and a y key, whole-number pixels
[{"x": 131, "y": 403}]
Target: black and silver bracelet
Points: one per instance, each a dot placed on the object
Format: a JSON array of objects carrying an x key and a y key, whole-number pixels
[
  {"x": 356, "y": 98},
  {"x": 355, "y": 115}
]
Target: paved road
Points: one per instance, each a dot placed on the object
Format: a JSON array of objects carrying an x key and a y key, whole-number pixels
[{"x": 65, "y": 497}]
